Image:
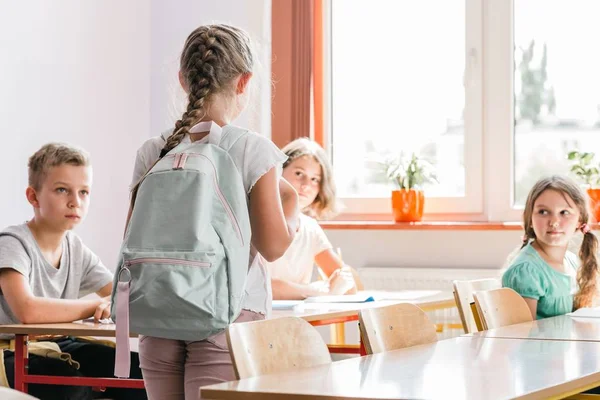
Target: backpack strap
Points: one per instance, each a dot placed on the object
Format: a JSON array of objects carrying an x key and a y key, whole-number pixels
[
  {"x": 224, "y": 137},
  {"x": 214, "y": 131}
]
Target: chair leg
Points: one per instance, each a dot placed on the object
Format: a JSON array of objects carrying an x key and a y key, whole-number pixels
[
  {"x": 477, "y": 318},
  {"x": 338, "y": 333}
]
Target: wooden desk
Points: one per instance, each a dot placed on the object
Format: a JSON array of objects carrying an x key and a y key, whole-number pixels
[
  {"x": 318, "y": 314},
  {"x": 461, "y": 368},
  {"x": 323, "y": 315},
  {"x": 330, "y": 313},
  {"x": 80, "y": 328},
  {"x": 561, "y": 327}
]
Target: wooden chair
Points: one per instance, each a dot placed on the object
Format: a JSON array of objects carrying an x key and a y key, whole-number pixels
[
  {"x": 11, "y": 394},
  {"x": 395, "y": 327},
  {"x": 463, "y": 294},
  {"x": 501, "y": 307},
  {"x": 274, "y": 345},
  {"x": 478, "y": 324},
  {"x": 337, "y": 332}
]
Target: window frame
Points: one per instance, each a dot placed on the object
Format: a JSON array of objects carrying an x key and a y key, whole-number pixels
[{"x": 489, "y": 119}]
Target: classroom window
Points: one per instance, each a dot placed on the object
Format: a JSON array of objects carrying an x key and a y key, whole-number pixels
[
  {"x": 493, "y": 93},
  {"x": 405, "y": 80},
  {"x": 556, "y": 86}
]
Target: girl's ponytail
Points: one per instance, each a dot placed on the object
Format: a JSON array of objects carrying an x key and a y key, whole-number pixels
[{"x": 588, "y": 272}]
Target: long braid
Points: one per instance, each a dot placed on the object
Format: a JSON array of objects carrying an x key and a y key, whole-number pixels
[
  {"x": 588, "y": 272},
  {"x": 200, "y": 76},
  {"x": 205, "y": 65},
  {"x": 526, "y": 239},
  {"x": 527, "y": 224}
]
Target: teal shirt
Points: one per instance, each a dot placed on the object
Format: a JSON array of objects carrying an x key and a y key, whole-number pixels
[{"x": 532, "y": 277}]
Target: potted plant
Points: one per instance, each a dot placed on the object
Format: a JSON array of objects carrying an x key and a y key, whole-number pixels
[
  {"x": 584, "y": 167},
  {"x": 409, "y": 176}
]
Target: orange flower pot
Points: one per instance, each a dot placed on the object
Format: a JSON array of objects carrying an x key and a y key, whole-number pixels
[
  {"x": 595, "y": 203},
  {"x": 407, "y": 205}
]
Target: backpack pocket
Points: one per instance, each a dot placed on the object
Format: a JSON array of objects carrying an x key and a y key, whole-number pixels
[{"x": 171, "y": 286}]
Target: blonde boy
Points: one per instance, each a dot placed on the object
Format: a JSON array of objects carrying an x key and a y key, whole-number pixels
[{"x": 45, "y": 269}]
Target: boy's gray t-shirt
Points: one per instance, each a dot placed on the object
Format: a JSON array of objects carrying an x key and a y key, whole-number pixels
[{"x": 80, "y": 272}]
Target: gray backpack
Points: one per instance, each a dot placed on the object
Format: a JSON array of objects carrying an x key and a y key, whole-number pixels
[{"x": 184, "y": 258}]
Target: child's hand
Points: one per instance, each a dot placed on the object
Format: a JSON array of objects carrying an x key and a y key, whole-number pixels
[
  {"x": 341, "y": 281},
  {"x": 103, "y": 309}
]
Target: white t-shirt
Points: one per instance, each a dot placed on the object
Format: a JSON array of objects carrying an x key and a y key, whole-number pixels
[
  {"x": 254, "y": 155},
  {"x": 296, "y": 265}
]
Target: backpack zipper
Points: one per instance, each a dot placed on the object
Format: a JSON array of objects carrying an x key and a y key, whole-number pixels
[
  {"x": 226, "y": 206},
  {"x": 157, "y": 260}
]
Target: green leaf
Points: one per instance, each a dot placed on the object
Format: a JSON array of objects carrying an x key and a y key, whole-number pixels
[{"x": 587, "y": 157}]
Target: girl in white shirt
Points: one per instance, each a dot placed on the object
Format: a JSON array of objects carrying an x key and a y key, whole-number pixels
[
  {"x": 215, "y": 71},
  {"x": 309, "y": 172}
]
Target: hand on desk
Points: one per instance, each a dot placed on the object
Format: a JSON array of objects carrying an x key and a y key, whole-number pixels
[
  {"x": 341, "y": 281},
  {"x": 103, "y": 309}
]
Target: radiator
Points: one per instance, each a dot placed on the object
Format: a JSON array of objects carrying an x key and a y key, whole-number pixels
[{"x": 375, "y": 278}]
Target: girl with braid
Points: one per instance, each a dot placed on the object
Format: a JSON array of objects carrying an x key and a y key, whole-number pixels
[
  {"x": 215, "y": 71},
  {"x": 551, "y": 279}
]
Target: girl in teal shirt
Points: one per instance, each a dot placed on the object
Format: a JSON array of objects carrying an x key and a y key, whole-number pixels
[{"x": 551, "y": 279}]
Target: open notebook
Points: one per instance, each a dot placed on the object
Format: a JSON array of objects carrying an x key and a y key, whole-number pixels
[
  {"x": 349, "y": 301},
  {"x": 348, "y": 298},
  {"x": 591, "y": 312},
  {"x": 285, "y": 304},
  {"x": 375, "y": 295},
  {"x": 301, "y": 304}
]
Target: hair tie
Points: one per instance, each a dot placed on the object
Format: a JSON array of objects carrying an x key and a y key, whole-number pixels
[
  {"x": 585, "y": 228},
  {"x": 525, "y": 238}
]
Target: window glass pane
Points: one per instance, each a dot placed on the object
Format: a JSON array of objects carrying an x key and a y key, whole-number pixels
[
  {"x": 557, "y": 86},
  {"x": 397, "y": 86}
]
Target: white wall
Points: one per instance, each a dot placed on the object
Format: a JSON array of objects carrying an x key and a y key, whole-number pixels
[
  {"x": 103, "y": 75},
  {"x": 75, "y": 71},
  {"x": 99, "y": 74},
  {"x": 172, "y": 22}
]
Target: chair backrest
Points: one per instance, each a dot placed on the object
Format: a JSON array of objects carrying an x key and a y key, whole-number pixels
[
  {"x": 501, "y": 307},
  {"x": 395, "y": 327},
  {"x": 11, "y": 394},
  {"x": 275, "y": 345},
  {"x": 463, "y": 294}
]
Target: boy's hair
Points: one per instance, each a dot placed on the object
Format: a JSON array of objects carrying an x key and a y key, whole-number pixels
[
  {"x": 325, "y": 204},
  {"x": 212, "y": 57},
  {"x": 586, "y": 275},
  {"x": 54, "y": 155}
]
